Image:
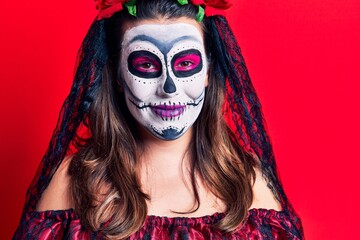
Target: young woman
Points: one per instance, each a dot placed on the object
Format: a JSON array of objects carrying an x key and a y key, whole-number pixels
[{"x": 176, "y": 147}]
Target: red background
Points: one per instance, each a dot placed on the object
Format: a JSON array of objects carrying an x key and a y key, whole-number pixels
[{"x": 303, "y": 57}]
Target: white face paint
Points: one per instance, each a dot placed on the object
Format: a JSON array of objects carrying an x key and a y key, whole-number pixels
[{"x": 164, "y": 69}]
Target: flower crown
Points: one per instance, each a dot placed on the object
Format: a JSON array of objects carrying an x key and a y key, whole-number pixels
[{"x": 206, "y": 7}]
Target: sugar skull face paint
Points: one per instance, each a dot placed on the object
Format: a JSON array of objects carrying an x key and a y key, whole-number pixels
[{"x": 164, "y": 70}]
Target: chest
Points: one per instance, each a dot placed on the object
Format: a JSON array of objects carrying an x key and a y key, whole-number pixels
[{"x": 174, "y": 196}]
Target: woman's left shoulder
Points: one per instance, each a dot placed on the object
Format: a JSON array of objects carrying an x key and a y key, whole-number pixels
[
  {"x": 263, "y": 196},
  {"x": 57, "y": 195}
]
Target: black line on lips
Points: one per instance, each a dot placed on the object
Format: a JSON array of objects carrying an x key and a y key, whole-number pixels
[
  {"x": 154, "y": 106},
  {"x": 149, "y": 106},
  {"x": 198, "y": 100},
  {"x": 145, "y": 106},
  {"x": 195, "y": 104},
  {"x": 131, "y": 93}
]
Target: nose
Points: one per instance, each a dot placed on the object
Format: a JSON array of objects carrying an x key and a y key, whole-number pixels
[{"x": 169, "y": 86}]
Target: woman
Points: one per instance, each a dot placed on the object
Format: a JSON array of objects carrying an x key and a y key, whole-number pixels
[{"x": 160, "y": 161}]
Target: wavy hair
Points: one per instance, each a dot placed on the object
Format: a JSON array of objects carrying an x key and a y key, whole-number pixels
[{"x": 105, "y": 183}]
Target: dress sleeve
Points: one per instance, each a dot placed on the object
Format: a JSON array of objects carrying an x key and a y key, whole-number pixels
[
  {"x": 46, "y": 225},
  {"x": 272, "y": 224}
]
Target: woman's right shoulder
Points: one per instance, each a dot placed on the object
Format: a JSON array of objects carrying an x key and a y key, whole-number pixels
[{"x": 57, "y": 195}]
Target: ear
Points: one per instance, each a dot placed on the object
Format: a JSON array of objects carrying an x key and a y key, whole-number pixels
[{"x": 206, "y": 83}]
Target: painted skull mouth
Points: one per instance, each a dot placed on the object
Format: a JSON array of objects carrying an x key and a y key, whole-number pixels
[{"x": 168, "y": 111}]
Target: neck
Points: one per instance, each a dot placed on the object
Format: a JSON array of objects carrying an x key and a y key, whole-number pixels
[
  {"x": 158, "y": 152},
  {"x": 163, "y": 165}
]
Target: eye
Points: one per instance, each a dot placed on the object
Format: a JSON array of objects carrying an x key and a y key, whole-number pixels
[
  {"x": 144, "y": 64},
  {"x": 185, "y": 64},
  {"x": 186, "y": 61}
]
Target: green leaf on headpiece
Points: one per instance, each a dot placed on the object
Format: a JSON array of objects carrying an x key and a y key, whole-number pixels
[
  {"x": 130, "y": 3},
  {"x": 200, "y": 15},
  {"x": 132, "y": 10},
  {"x": 131, "y": 7},
  {"x": 183, "y": 2}
]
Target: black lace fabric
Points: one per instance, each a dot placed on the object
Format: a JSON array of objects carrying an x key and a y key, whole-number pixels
[
  {"x": 91, "y": 59},
  {"x": 243, "y": 108}
]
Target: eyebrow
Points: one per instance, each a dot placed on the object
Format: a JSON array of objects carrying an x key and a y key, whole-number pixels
[{"x": 163, "y": 46}]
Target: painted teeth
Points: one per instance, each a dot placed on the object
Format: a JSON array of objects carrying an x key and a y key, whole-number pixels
[{"x": 171, "y": 118}]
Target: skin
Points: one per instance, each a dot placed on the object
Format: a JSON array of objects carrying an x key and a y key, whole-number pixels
[{"x": 164, "y": 173}]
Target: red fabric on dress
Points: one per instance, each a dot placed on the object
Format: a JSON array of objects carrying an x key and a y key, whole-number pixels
[{"x": 65, "y": 224}]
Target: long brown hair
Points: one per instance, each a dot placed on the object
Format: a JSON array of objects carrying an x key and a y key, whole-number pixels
[{"x": 105, "y": 183}]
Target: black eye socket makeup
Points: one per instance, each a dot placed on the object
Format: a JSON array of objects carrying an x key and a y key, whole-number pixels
[
  {"x": 144, "y": 64},
  {"x": 187, "y": 63}
]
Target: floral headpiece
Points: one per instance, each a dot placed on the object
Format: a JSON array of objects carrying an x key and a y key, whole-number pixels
[{"x": 206, "y": 7}]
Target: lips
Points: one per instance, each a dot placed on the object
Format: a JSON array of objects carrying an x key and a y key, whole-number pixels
[{"x": 168, "y": 111}]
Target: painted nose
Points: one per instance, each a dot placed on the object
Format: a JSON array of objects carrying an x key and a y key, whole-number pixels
[{"x": 169, "y": 86}]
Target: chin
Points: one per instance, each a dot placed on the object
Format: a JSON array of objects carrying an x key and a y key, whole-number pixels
[{"x": 168, "y": 134}]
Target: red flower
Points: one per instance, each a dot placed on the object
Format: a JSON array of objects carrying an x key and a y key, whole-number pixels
[
  {"x": 213, "y": 7},
  {"x": 108, "y": 7},
  {"x": 218, "y": 4}
]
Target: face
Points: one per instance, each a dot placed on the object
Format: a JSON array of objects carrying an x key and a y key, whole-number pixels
[{"x": 164, "y": 73}]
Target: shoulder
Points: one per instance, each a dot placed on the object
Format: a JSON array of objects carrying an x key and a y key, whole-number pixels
[
  {"x": 263, "y": 196},
  {"x": 57, "y": 195}
]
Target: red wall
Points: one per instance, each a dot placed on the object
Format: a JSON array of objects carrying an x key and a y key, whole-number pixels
[{"x": 303, "y": 57}]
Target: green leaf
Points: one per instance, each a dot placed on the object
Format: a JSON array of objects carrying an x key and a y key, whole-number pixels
[
  {"x": 132, "y": 10},
  {"x": 130, "y": 3},
  {"x": 200, "y": 15},
  {"x": 131, "y": 7},
  {"x": 183, "y": 2}
]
